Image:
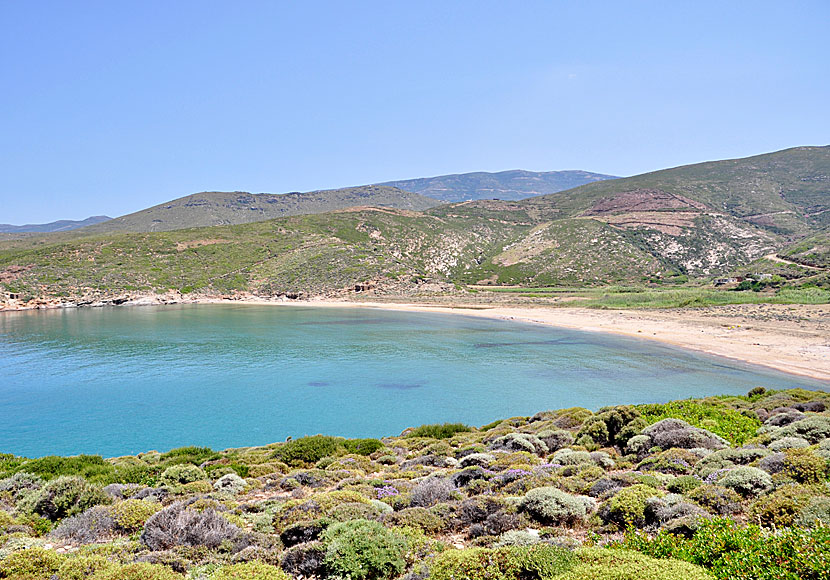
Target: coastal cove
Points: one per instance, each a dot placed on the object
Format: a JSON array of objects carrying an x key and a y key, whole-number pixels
[{"x": 113, "y": 381}]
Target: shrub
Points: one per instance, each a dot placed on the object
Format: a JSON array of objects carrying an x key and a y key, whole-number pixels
[
  {"x": 177, "y": 526},
  {"x": 83, "y": 566},
  {"x": 306, "y": 450},
  {"x": 804, "y": 466},
  {"x": 67, "y": 496},
  {"x": 130, "y": 515},
  {"x": 21, "y": 481},
  {"x": 569, "y": 456},
  {"x": 137, "y": 571},
  {"x": 789, "y": 443},
  {"x": 670, "y": 432},
  {"x": 556, "y": 440},
  {"x": 673, "y": 461},
  {"x": 363, "y": 550},
  {"x": 684, "y": 484},
  {"x": 717, "y": 499},
  {"x": 90, "y": 467},
  {"x": 772, "y": 464},
  {"x": 431, "y": 491},
  {"x": 628, "y": 506},
  {"x": 781, "y": 507},
  {"x": 744, "y": 553},
  {"x": 747, "y": 481},
  {"x": 551, "y": 505},
  {"x": 182, "y": 473},
  {"x": 249, "y": 571},
  {"x": 417, "y": 517},
  {"x": 230, "y": 483},
  {"x": 439, "y": 431},
  {"x": 815, "y": 513},
  {"x": 362, "y": 446},
  {"x": 813, "y": 429},
  {"x": 520, "y": 442},
  {"x": 505, "y": 563},
  {"x": 305, "y": 560},
  {"x": 727, "y": 458},
  {"x": 31, "y": 563},
  {"x": 94, "y": 525},
  {"x": 721, "y": 420},
  {"x": 596, "y": 563},
  {"x": 194, "y": 455}
]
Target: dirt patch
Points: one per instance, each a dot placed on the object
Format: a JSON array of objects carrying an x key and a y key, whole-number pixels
[
  {"x": 13, "y": 272},
  {"x": 640, "y": 200},
  {"x": 671, "y": 223}
]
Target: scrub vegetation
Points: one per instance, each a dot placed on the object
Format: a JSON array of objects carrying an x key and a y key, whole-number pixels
[{"x": 724, "y": 487}]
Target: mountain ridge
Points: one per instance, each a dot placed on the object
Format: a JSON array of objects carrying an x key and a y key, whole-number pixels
[{"x": 55, "y": 226}]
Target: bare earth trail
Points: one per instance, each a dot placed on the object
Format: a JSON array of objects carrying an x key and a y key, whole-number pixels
[{"x": 776, "y": 258}]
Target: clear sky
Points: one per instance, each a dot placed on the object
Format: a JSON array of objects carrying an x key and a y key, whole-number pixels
[{"x": 109, "y": 107}]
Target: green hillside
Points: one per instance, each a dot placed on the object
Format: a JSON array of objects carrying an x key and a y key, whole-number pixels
[
  {"x": 215, "y": 208},
  {"x": 687, "y": 224}
]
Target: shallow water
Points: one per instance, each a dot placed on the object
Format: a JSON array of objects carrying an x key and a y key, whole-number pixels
[{"x": 114, "y": 381}]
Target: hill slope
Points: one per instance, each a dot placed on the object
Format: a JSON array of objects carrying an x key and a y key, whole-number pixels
[
  {"x": 505, "y": 185},
  {"x": 227, "y": 208},
  {"x": 57, "y": 226}
]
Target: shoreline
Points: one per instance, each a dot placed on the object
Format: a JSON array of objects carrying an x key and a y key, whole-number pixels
[{"x": 793, "y": 339}]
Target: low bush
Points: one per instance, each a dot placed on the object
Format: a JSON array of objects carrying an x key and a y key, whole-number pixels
[
  {"x": 732, "y": 552},
  {"x": 94, "y": 525},
  {"x": 305, "y": 560},
  {"x": 804, "y": 466},
  {"x": 551, "y": 505},
  {"x": 32, "y": 563},
  {"x": 431, "y": 491},
  {"x": 781, "y": 507},
  {"x": 627, "y": 507},
  {"x": 230, "y": 483},
  {"x": 362, "y": 446},
  {"x": 556, "y": 439},
  {"x": 130, "y": 515},
  {"x": 439, "y": 430},
  {"x": 520, "y": 442},
  {"x": 416, "y": 517},
  {"x": 505, "y": 563},
  {"x": 815, "y": 513},
  {"x": 684, "y": 484},
  {"x": 137, "y": 571},
  {"x": 91, "y": 467},
  {"x": 598, "y": 563},
  {"x": 308, "y": 450},
  {"x": 182, "y": 473},
  {"x": 747, "y": 481},
  {"x": 67, "y": 496},
  {"x": 716, "y": 499},
  {"x": 194, "y": 455},
  {"x": 718, "y": 418},
  {"x": 813, "y": 429},
  {"x": 81, "y": 567},
  {"x": 363, "y": 550},
  {"x": 727, "y": 458},
  {"x": 176, "y": 525},
  {"x": 249, "y": 571},
  {"x": 671, "y": 432}
]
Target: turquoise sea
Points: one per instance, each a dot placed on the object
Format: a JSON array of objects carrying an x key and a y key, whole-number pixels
[{"x": 116, "y": 381}]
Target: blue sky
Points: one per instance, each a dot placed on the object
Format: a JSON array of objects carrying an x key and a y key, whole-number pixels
[{"x": 110, "y": 107}]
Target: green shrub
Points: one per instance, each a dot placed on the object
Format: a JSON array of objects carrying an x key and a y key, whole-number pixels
[
  {"x": 363, "y": 550},
  {"x": 747, "y": 481},
  {"x": 683, "y": 484},
  {"x": 416, "y": 517},
  {"x": 733, "y": 552},
  {"x": 30, "y": 564},
  {"x": 306, "y": 450},
  {"x": 715, "y": 417},
  {"x": 182, "y": 473},
  {"x": 505, "y": 563},
  {"x": 194, "y": 455},
  {"x": 67, "y": 496},
  {"x": 781, "y": 507},
  {"x": 551, "y": 505},
  {"x": 139, "y": 571},
  {"x": 804, "y": 466},
  {"x": 81, "y": 567},
  {"x": 363, "y": 446},
  {"x": 727, "y": 458},
  {"x": 439, "y": 430},
  {"x": 628, "y": 506},
  {"x": 673, "y": 461},
  {"x": 815, "y": 513},
  {"x": 717, "y": 499},
  {"x": 604, "y": 564},
  {"x": 249, "y": 571},
  {"x": 130, "y": 515},
  {"x": 90, "y": 467},
  {"x": 813, "y": 429}
]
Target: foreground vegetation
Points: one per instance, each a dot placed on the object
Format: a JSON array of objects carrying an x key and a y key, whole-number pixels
[{"x": 724, "y": 487}]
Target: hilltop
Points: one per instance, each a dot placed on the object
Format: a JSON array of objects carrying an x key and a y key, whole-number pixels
[
  {"x": 505, "y": 185},
  {"x": 215, "y": 208},
  {"x": 56, "y": 226}
]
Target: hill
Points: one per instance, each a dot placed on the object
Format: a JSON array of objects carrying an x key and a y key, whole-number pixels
[
  {"x": 663, "y": 228},
  {"x": 215, "y": 208},
  {"x": 505, "y": 185},
  {"x": 57, "y": 226}
]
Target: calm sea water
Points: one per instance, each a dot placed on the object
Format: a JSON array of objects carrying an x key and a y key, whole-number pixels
[{"x": 123, "y": 380}]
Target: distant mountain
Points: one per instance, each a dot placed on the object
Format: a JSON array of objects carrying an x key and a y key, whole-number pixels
[
  {"x": 58, "y": 226},
  {"x": 216, "y": 208},
  {"x": 505, "y": 185}
]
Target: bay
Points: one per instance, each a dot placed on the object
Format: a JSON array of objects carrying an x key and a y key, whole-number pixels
[{"x": 116, "y": 381}]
